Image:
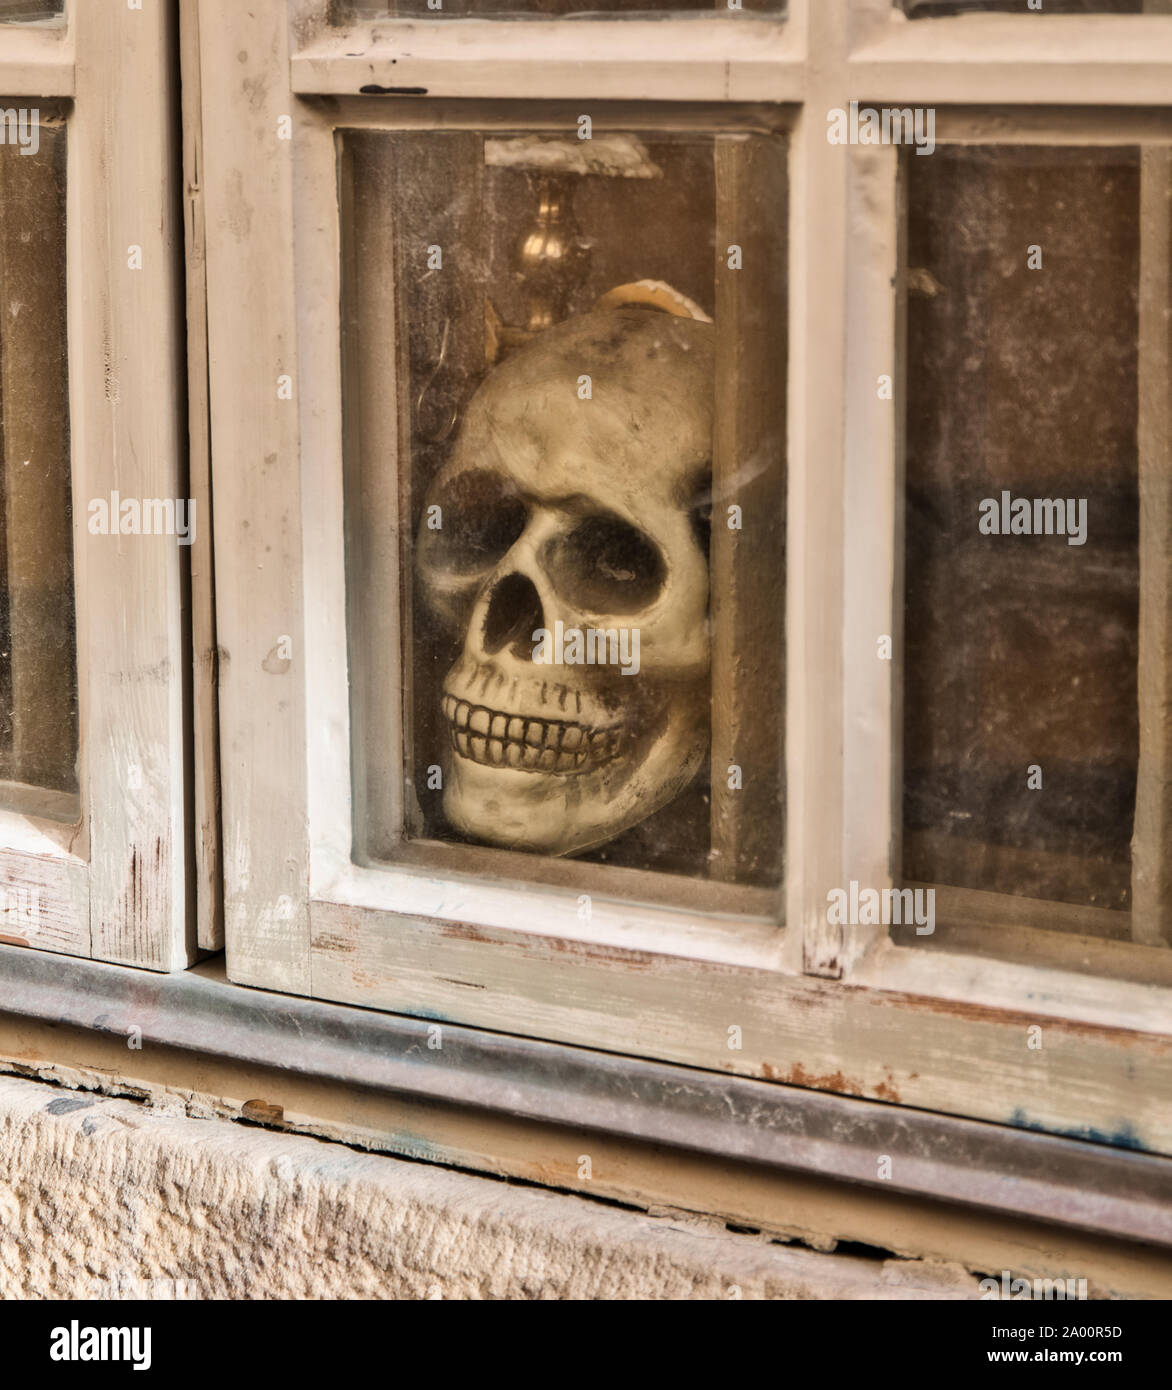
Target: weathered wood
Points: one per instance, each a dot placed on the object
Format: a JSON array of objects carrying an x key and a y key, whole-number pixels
[
  {"x": 44, "y": 902},
  {"x": 1086, "y": 1079},
  {"x": 996, "y": 60},
  {"x": 126, "y": 392},
  {"x": 815, "y": 596},
  {"x": 742, "y": 58},
  {"x": 256, "y": 448},
  {"x": 37, "y": 61},
  {"x": 873, "y": 560},
  {"x": 124, "y": 398}
]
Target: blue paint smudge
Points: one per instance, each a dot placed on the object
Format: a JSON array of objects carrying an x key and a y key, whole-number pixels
[{"x": 1124, "y": 1137}]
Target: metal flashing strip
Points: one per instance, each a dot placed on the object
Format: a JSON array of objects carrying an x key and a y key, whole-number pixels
[{"x": 1021, "y": 1173}]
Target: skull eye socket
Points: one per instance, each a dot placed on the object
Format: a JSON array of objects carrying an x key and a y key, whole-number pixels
[
  {"x": 481, "y": 518},
  {"x": 605, "y": 565}
]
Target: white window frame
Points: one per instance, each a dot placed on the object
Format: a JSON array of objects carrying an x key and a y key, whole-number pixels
[
  {"x": 832, "y": 1008},
  {"x": 114, "y": 887}
]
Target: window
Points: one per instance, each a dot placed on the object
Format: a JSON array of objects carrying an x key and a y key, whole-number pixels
[
  {"x": 38, "y": 677},
  {"x": 413, "y": 433},
  {"x": 572, "y": 616},
  {"x": 1022, "y": 638},
  {"x": 93, "y": 741}
]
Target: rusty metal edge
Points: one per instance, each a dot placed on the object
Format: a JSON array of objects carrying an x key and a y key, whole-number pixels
[{"x": 1015, "y": 1172}]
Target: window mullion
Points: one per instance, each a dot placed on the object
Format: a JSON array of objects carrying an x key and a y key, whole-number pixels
[
  {"x": 873, "y": 508},
  {"x": 816, "y": 595}
]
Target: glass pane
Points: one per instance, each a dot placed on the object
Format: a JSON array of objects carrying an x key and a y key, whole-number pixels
[
  {"x": 923, "y": 9},
  {"x": 30, "y": 11},
  {"x": 38, "y": 663},
  {"x": 593, "y": 475},
  {"x": 351, "y": 11},
  {"x": 1022, "y": 565}
]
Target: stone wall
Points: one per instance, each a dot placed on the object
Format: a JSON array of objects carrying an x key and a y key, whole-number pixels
[{"x": 104, "y": 1197}]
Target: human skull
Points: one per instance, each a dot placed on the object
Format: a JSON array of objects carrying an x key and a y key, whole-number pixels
[{"x": 554, "y": 509}]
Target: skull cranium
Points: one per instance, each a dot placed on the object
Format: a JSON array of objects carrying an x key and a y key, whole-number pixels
[{"x": 556, "y": 509}]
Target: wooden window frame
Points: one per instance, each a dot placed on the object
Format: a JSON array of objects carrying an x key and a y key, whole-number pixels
[
  {"x": 114, "y": 887},
  {"x": 835, "y": 1008}
]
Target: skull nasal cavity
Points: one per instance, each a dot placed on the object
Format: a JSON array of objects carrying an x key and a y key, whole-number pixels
[{"x": 514, "y": 614}]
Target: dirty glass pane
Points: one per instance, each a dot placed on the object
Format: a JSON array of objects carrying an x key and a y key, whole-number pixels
[
  {"x": 923, "y": 9},
  {"x": 350, "y": 11},
  {"x": 38, "y": 664},
  {"x": 1022, "y": 569},
  {"x": 30, "y": 11},
  {"x": 589, "y": 655}
]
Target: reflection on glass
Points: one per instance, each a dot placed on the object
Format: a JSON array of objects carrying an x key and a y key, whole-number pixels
[
  {"x": 591, "y": 670},
  {"x": 1022, "y": 573},
  {"x": 38, "y": 665}
]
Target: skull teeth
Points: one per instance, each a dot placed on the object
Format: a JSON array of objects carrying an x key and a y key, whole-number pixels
[{"x": 537, "y": 745}]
